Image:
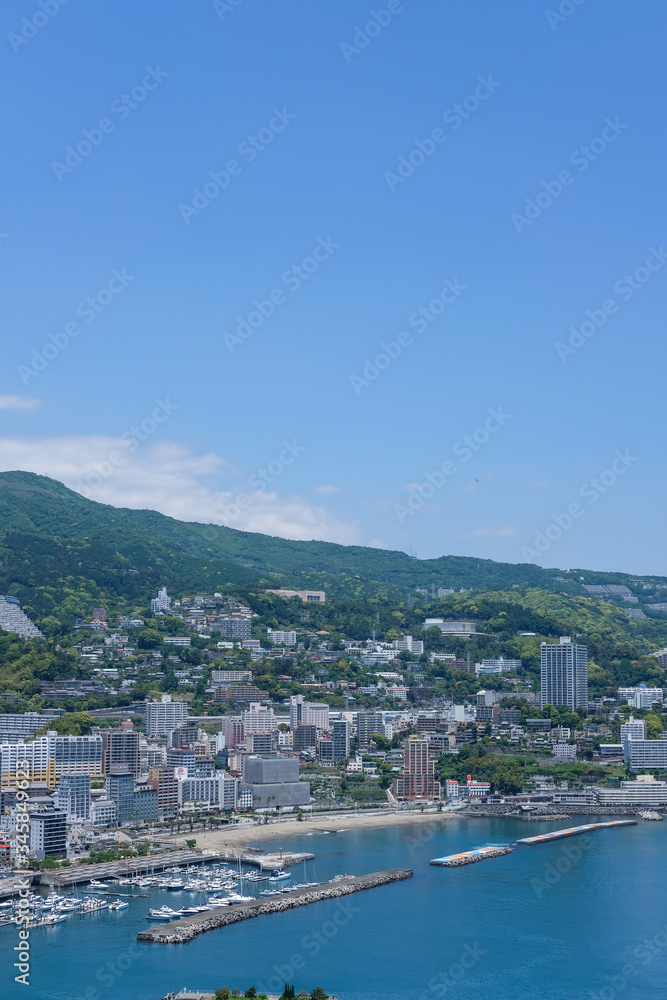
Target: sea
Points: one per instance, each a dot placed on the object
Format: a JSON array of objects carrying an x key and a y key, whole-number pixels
[{"x": 574, "y": 919}]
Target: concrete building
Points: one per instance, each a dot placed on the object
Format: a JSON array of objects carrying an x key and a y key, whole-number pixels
[
  {"x": 12, "y": 619},
  {"x": 340, "y": 739},
  {"x": 417, "y": 780},
  {"x": 239, "y": 693},
  {"x": 280, "y": 638},
  {"x": 48, "y": 834},
  {"x": 633, "y": 729},
  {"x": 409, "y": 645},
  {"x": 262, "y": 742},
  {"x": 226, "y": 677},
  {"x": 646, "y": 791},
  {"x": 564, "y": 752},
  {"x": 461, "y": 630},
  {"x": 165, "y": 715},
  {"x": 133, "y": 803},
  {"x": 367, "y": 724},
  {"x": 497, "y": 666},
  {"x": 72, "y": 796},
  {"x": 121, "y": 746},
  {"x": 103, "y": 812},
  {"x": 649, "y": 754},
  {"x": 641, "y": 696},
  {"x": 231, "y": 627},
  {"x": 232, "y": 729},
  {"x": 306, "y": 713},
  {"x": 220, "y": 790},
  {"x": 305, "y": 737},
  {"x": 15, "y": 727},
  {"x": 274, "y": 781},
  {"x": 564, "y": 669},
  {"x": 162, "y": 602},
  {"x": 259, "y": 720}
]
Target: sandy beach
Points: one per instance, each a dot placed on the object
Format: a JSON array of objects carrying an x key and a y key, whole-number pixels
[{"x": 250, "y": 834}]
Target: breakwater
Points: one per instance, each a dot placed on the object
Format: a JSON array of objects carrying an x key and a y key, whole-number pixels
[
  {"x": 186, "y": 930},
  {"x": 471, "y": 857},
  {"x": 574, "y": 831},
  {"x": 265, "y": 860}
]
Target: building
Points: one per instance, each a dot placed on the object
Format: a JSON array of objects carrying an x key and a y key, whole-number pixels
[
  {"x": 417, "y": 780},
  {"x": 232, "y": 627},
  {"x": 564, "y": 672},
  {"x": 633, "y": 729},
  {"x": 165, "y": 784},
  {"x": 220, "y": 790},
  {"x": 121, "y": 746},
  {"x": 307, "y": 596},
  {"x": 15, "y": 727},
  {"x": 477, "y": 789},
  {"x": 103, "y": 812},
  {"x": 262, "y": 742},
  {"x": 259, "y": 720},
  {"x": 239, "y": 693},
  {"x": 565, "y": 751},
  {"x": 511, "y": 715},
  {"x": 640, "y": 697},
  {"x": 461, "y": 630},
  {"x": 306, "y": 713},
  {"x": 279, "y": 638},
  {"x": 611, "y": 750},
  {"x": 274, "y": 781},
  {"x": 305, "y": 738},
  {"x": 661, "y": 657},
  {"x": 12, "y": 619},
  {"x": 409, "y": 645},
  {"x": 75, "y": 754},
  {"x": 177, "y": 640},
  {"x": 165, "y": 715},
  {"x": 48, "y": 834},
  {"x": 190, "y": 762},
  {"x": 367, "y": 724},
  {"x": 72, "y": 796},
  {"x": 184, "y": 737},
  {"x": 646, "y": 791},
  {"x": 162, "y": 602},
  {"x": 650, "y": 754},
  {"x": 226, "y": 677},
  {"x": 133, "y": 804},
  {"x": 497, "y": 666},
  {"x": 452, "y": 790},
  {"x": 340, "y": 738},
  {"x": 232, "y": 729}
]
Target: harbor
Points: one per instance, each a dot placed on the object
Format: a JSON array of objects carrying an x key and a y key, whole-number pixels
[
  {"x": 191, "y": 927},
  {"x": 471, "y": 857},
  {"x": 574, "y": 831}
]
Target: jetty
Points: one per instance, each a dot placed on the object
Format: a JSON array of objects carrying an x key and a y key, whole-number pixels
[
  {"x": 190, "y": 927},
  {"x": 264, "y": 860},
  {"x": 470, "y": 857},
  {"x": 573, "y": 831}
]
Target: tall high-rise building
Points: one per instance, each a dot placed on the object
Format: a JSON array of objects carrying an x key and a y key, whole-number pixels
[
  {"x": 121, "y": 746},
  {"x": 48, "y": 834},
  {"x": 340, "y": 738},
  {"x": 165, "y": 715},
  {"x": 307, "y": 713},
  {"x": 162, "y": 602},
  {"x": 418, "y": 778},
  {"x": 564, "y": 674}
]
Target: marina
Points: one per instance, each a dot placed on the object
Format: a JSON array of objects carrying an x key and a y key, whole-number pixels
[{"x": 573, "y": 831}]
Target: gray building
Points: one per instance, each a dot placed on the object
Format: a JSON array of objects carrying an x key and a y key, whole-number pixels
[
  {"x": 48, "y": 834},
  {"x": 564, "y": 674},
  {"x": 72, "y": 796},
  {"x": 133, "y": 803},
  {"x": 165, "y": 715},
  {"x": 274, "y": 781},
  {"x": 15, "y": 727},
  {"x": 340, "y": 738},
  {"x": 367, "y": 723},
  {"x": 305, "y": 737},
  {"x": 649, "y": 754}
]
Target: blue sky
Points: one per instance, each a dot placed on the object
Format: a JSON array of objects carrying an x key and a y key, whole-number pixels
[{"x": 533, "y": 200}]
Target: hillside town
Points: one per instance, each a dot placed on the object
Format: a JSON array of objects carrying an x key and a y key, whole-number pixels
[{"x": 218, "y": 737}]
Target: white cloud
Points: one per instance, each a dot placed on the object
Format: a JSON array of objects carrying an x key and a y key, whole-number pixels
[
  {"x": 166, "y": 476},
  {"x": 505, "y": 532},
  {"x": 327, "y": 489},
  {"x": 19, "y": 403}
]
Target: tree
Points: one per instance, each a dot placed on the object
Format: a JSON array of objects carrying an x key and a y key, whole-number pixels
[
  {"x": 191, "y": 844},
  {"x": 250, "y": 992},
  {"x": 319, "y": 994},
  {"x": 222, "y": 994}
]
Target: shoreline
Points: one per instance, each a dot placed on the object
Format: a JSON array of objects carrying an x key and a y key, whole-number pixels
[{"x": 241, "y": 835}]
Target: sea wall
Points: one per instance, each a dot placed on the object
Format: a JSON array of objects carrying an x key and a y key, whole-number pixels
[{"x": 186, "y": 930}]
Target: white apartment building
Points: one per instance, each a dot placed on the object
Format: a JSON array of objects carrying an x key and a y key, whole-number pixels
[
  {"x": 648, "y": 754},
  {"x": 12, "y": 619},
  {"x": 565, "y": 751},
  {"x": 162, "y": 602},
  {"x": 165, "y": 715},
  {"x": 409, "y": 645},
  {"x": 633, "y": 729},
  {"x": 279, "y": 638},
  {"x": 258, "y": 720},
  {"x": 221, "y": 790},
  {"x": 641, "y": 696},
  {"x": 306, "y": 713}
]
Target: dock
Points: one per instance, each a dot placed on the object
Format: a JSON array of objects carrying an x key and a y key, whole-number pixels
[
  {"x": 470, "y": 857},
  {"x": 190, "y": 927},
  {"x": 266, "y": 861},
  {"x": 573, "y": 831}
]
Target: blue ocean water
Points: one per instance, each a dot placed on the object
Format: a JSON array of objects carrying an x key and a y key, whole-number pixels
[{"x": 563, "y": 921}]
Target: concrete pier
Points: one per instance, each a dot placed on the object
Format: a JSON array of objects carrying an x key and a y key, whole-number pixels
[
  {"x": 266, "y": 861},
  {"x": 181, "y": 931}
]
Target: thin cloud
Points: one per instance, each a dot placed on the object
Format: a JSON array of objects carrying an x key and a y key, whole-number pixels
[{"x": 20, "y": 403}]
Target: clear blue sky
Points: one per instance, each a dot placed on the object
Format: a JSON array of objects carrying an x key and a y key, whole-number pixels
[{"x": 333, "y": 111}]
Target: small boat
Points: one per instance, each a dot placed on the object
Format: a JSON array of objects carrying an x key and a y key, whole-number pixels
[
  {"x": 94, "y": 884},
  {"x": 118, "y": 904},
  {"x": 277, "y": 875},
  {"x": 175, "y": 886},
  {"x": 235, "y": 897}
]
